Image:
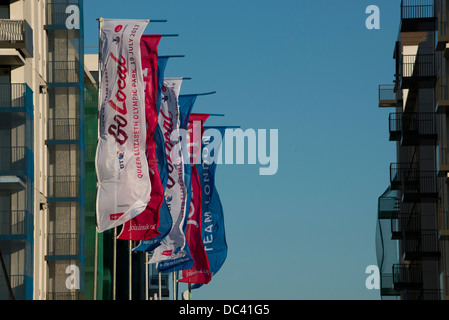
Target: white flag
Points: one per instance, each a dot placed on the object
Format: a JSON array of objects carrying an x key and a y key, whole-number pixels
[
  {"x": 173, "y": 245},
  {"x": 124, "y": 185}
]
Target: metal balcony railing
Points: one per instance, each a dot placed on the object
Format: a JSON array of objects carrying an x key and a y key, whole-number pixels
[
  {"x": 14, "y": 160},
  {"x": 405, "y": 223},
  {"x": 413, "y": 128},
  {"x": 17, "y": 284},
  {"x": 443, "y": 222},
  {"x": 417, "y": 9},
  {"x": 63, "y": 186},
  {"x": 423, "y": 245},
  {"x": 58, "y": 12},
  {"x": 388, "y": 97},
  {"x": 418, "y": 65},
  {"x": 422, "y": 294},
  {"x": 420, "y": 186},
  {"x": 443, "y": 26},
  {"x": 387, "y": 285},
  {"x": 16, "y": 34},
  {"x": 64, "y": 244},
  {"x": 395, "y": 126},
  {"x": 407, "y": 276},
  {"x": 63, "y": 71},
  {"x": 443, "y": 157},
  {"x": 398, "y": 172},
  {"x": 64, "y": 295},
  {"x": 442, "y": 94},
  {"x": 63, "y": 129},
  {"x": 15, "y": 222},
  {"x": 15, "y": 95}
]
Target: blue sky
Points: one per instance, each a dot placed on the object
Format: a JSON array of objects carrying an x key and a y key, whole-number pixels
[{"x": 310, "y": 69}]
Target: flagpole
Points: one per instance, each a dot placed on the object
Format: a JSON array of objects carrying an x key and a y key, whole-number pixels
[
  {"x": 174, "y": 285},
  {"x": 100, "y": 27},
  {"x": 160, "y": 286},
  {"x": 130, "y": 280},
  {"x": 146, "y": 275},
  {"x": 114, "y": 272}
]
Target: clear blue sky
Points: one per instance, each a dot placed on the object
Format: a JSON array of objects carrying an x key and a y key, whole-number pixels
[{"x": 310, "y": 69}]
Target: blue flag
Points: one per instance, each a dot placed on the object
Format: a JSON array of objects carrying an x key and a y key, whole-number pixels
[
  {"x": 186, "y": 103},
  {"x": 212, "y": 219}
]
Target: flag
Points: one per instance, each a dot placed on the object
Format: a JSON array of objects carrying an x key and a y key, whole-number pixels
[
  {"x": 173, "y": 245},
  {"x": 195, "y": 132},
  {"x": 145, "y": 225},
  {"x": 200, "y": 270},
  {"x": 186, "y": 103},
  {"x": 124, "y": 186},
  {"x": 212, "y": 219},
  {"x": 165, "y": 220}
]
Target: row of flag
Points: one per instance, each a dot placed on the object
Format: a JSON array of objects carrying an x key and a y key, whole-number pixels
[{"x": 152, "y": 177}]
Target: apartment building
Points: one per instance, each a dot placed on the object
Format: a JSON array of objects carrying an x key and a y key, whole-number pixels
[
  {"x": 412, "y": 226},
  {"x": 43, "y": 201}
]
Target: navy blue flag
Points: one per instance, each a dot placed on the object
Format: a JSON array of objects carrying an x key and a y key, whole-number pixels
[{"x": 212, "y": 219}]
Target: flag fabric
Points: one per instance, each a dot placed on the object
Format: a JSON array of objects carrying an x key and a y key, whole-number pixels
[
  {"x": 186, "y": 103},
  {"x": 212, "y": 219},
  {"x": 165, "y": 220},
  {"x": 173, "y": 245},
  {"x": 200, "y": 271},
  {"x": 124, "y": 186},
  {"x": 195, "y": 132},
  {"x": 145, "y": 225}
]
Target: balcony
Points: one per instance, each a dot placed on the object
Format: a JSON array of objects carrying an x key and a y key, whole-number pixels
[
  {"x": 423, "y": 245},
  {"x": 63, "y": 188},
  {"x": 15, "y": 224},
  {"x": 442, "y": 94},
  {"x": 63, "y": 73},
  {"x": 422, "y": 294},
  {"x": 18, "y": 284},
  {"x": 16, "y": 167},
  {"x": 443, "y": 30},
  {"x": 407, "y": 276},
  {"x": 387, "y": 285},
  {"x": 388, "y": 205},
  {"x": 398, "y": 172},
  {"x": 64, "y": 295},
  {"x": 417, "y": 15},
  {"x": 63, "y": 130},
  {"x": 388, "y": 97},
  {"x": 443, "y": 158},
  {"x": 63, "y": 244},
  {"x": 16, "y": 99},
  {"x": 420, "y": 186},
  {"x": 413, "y": 129},
  {"x": 15, "y": 35},
  {"x": 417, "y": 71},
  {"x": 443, "y": 222},
  {"x": 405, "y": 224}
]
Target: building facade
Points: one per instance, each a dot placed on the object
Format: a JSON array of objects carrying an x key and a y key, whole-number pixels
[
  {"x": 42, "y": 143},
  {"x": 412, "y": 226}
]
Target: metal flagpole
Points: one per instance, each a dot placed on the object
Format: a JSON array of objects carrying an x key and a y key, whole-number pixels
[
  {"x": 96, "y": 265},
  {"x": 100, "y": 26},
  {"x": 130, "y": 293},
  {"x": 174, "y": 285},
  {"x": 114, "y": 272},
  {"x": 160, "y": 286},
  {"x": 146, "y": 275}
]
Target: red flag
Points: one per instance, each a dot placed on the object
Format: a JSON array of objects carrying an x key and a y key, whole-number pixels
[
  {"x": 145, "y": 225},
  {"x": 200, "y": 271},
  {"x": 195, "y": 131}
]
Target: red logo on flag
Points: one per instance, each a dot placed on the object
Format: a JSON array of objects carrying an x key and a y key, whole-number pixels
[
  {"x": 167, "y": 252},
  {"x": 115, "y": 216},
  {"x": 118, "y": 28}
]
